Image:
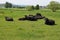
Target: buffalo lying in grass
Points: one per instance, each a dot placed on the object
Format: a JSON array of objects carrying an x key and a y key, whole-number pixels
[
  {"x": 49, "y": 21},
  {"x": 8, "y": 19},
  {"x": 39, "y": 16},
  {"x": 32, "y": 17}
]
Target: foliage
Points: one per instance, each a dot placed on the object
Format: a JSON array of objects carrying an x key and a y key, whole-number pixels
[
  {"x": 37, "y": 7},
  {"x": 54, "y": 6},
  {"x": 33, "y": 7},
  {"x": 30, "y": 8},
  {"x": 8, "y": 5}
]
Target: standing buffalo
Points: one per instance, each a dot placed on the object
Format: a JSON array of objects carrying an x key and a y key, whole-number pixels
[{"x": 8, "y": 19}]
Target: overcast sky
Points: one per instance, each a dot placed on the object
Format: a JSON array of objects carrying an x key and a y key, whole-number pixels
[{"x": 28, "y": 2}]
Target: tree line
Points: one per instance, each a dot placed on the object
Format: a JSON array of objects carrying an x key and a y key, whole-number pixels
[
  {"x": 37, "y": 7},
  {"x": 53, "y": 5},
  {"x": 9, "y": 5}
]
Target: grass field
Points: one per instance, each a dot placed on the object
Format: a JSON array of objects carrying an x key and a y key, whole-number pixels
[{"x": 28, "y": 30}]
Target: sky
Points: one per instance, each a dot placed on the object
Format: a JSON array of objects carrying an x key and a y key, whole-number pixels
[{"x": 29, "y": 2}]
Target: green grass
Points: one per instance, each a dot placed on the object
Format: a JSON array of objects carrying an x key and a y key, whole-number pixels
[{"x": 28, "y": 30}]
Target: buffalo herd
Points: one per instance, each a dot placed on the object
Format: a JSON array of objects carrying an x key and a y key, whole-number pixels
[{"x": 34, "y": 18}]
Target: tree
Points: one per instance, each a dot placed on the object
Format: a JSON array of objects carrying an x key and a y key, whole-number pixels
[
  {"x": 54, "y": 6},
  {"x": 37, "y": 7},
  {"x": 8, "y": 5},
  {"x": 30, "y": 8}
]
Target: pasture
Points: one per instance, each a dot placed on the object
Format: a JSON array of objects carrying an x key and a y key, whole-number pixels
[{"x": 28, "y": 30}]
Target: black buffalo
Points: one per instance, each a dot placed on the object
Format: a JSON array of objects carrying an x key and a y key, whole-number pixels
[
  {"x": 8, "y": 19},
  {"x": 32, "y": 17},
  {"x": 49, "y": 21},
  {"x": 39, "y": 16}
]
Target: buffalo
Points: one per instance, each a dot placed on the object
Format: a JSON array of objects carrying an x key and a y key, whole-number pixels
[
  {"x": 39, "y": 16},
  {"x": 32, "y": 17},
  {"x": 8, "y": 19},
  {"x": 49, "y": 21}
]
